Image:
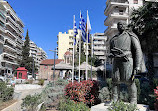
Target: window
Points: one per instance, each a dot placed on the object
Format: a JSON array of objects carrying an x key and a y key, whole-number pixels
[
  {"x": 20, "y": 75},
  {"x": 121, "y": 12},
  {"x": 45, "y": 67},
  {"x": 135, "y": 1}
]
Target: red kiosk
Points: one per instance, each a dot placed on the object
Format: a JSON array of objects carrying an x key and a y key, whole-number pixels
[{"x": 21, "y": 73}]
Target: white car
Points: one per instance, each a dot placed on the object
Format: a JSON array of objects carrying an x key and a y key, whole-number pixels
[{"x": 2, "y": 78}]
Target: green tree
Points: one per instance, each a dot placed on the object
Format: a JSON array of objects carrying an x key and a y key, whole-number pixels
[
  {"x": 27, "y": 61},
  {"x": 144, "y": 22}
]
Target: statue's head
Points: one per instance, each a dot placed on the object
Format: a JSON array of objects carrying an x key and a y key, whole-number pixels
[{"x": 121, "y": 26}]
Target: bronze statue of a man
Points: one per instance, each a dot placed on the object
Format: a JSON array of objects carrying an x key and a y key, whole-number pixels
[{"x": 128, "y": 60}]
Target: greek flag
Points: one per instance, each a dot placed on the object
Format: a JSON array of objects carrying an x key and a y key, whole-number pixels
[
  {"x": 88, "y": 27},
  {"x": 75, "y": 32},
  {"x": 82, "y": 27}
]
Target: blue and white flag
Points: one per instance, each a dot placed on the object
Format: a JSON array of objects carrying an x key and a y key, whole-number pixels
[
  {"x": 82, "y": 27},
  {"x": 75, "y": 32},
  {"x": 88, "y": 27},
  {"x": 88, "y": 24}
]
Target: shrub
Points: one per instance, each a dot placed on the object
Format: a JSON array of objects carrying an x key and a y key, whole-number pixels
[
  {"x": 85, "y": 91},
  {"x": 5, "y": 93},
  {"x": 109, "y": 85},
  {"x": 30, "y": 103},
  {"x": 61, "y": 82},
  {"x": 41, "y": 82},
  {"x": 104, "y": 94},
  {"x": 69, "y": 105},
  {"x": 121, "y": 106}
]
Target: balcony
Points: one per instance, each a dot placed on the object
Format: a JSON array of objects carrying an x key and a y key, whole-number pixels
[
  {"x": 20, "y": 22},
  {"x": 99, "y": 37},
  {"x": 113, "y": 3},
  {"x": 115, "y": 16},
  {"x": 70, "y": 46},
  {"x": 71, "y": 40},
  {"x": 99, "y": 48},
  {"x": 99, "y": 53},
  {"x": 1, "y": 39},
  {"x": 1, "y": 19},
  {"x": 99, "y": 42},
  {"x": 11, "y": 26},
  {"x": 9, "y": 55},
  {"x": 2, "y": 27},
  {"x": 9, "y": 61},
  {"x": 10, "y": 47},
  {"x": 20, "y": 28},
  {"x": 2, "y": 15},
  {"x": 10, "y": 40},
  {"x": 11, "y": 20},
  {"x": 10, "y": 34}
]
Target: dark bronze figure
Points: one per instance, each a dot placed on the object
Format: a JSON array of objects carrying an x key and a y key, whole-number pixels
[{"x": 128, "y": 60}]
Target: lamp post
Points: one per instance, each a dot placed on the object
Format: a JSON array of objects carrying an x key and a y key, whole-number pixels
[{"x": 54, "y": 65}]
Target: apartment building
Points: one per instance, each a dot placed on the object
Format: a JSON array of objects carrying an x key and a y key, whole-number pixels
[
  {"x": 37, "y": 53},
  {"x": 41, "y": 55},
  {"x": 2, "y": 31},
  {"x": 99, "y": 46},
  {"x": 118, "y": 10},
  {"x": 12, "y": 27},
  {"x": 65, "y": 42}
]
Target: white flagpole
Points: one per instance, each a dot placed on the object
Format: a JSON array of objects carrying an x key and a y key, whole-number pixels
[
  {"x": 80, "y": 35},
  {"x": 73, "y": 52},
  {"x": 87, "y": 51}
]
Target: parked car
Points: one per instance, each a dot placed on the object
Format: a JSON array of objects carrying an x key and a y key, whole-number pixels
[{"x": 2, "y": 78}]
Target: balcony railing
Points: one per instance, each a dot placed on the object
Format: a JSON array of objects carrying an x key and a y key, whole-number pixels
[
  {"x": 99, "y": 53},
  {"x": 9, "y": 54},
  {"x": 11, "y": 25},
  {"x": 11, "y": 34},
  {"x": 2, "y": 15},
  {"x": 11, "y": 20},
  {"x": 99, "y": 48},
  {"x": 1, "y": 38},
  {"x": 116, "y": 2},
  {"x": 10, "y": 40},
  {"x": 10, "y": 47},
  {"x": 20, "y": 28},
  {"x": 98, "y": 42}
]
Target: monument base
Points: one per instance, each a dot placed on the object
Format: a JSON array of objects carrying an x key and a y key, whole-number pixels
[{"x": 102, "y": 107}]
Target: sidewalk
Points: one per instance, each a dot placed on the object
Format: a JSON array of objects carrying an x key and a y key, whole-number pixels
[{"x": 17, "y": 105}]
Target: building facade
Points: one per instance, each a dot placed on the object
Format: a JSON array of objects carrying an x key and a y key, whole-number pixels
[
  {"x": 46, "y": 72},
  {"x": 13, "y": 35},
  {"x": 37, "y": 53},
  {"x": 99, "y": 46},
  {"x": 118, "y": 10},
  {"x": 65, "y": 42}
]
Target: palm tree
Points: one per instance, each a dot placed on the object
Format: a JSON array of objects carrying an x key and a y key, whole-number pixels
[{"x": 144, "y": 22}]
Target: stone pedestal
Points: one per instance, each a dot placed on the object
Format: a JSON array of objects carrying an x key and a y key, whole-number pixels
[{"x": 101, "y": 107}]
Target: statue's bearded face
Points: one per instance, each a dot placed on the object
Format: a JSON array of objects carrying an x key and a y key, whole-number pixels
[{"x": 121, "y": 27}]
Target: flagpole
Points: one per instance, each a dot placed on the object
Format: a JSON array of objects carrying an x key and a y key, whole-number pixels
[
  {"x": 79, "y": 52},
  {"x": 87, "y": 51},
  {"x": 73, "y": 53}
]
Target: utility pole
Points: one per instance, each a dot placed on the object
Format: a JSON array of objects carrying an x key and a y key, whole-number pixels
[{"x": 54, "y": 65}]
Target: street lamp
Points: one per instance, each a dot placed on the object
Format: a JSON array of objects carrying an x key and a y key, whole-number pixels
[{"x": 54, "y": 64}]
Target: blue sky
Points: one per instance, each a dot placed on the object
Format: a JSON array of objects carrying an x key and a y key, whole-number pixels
[{"x": 46, "y": 18}]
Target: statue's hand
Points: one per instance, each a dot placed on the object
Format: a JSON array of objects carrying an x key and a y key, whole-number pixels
[
  {"x": 136, "y": 71},
  {"x": 111, "y": 55}
]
